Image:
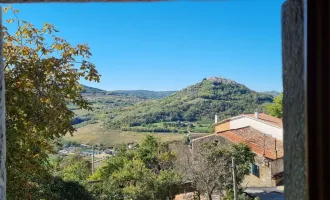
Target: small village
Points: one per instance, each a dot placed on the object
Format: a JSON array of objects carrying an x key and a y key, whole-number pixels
[
  {"x": 262, "y": 133},
  {"x": 219, "y": 101}
]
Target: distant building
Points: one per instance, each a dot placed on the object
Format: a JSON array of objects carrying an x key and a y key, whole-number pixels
[
  {"x": 68, "y": 150},
  {"x": 109, "y": 151},
  {"x": 264, "y": 135}
]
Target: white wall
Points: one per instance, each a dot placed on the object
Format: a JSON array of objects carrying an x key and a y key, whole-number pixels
[{"x": 243, "y": 121}]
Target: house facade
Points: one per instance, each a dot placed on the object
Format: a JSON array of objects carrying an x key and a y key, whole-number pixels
[{"x": 264, "y": 135}]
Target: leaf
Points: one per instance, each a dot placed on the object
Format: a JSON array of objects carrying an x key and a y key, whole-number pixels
[
  {"x": 6, "y": 9},
  {"x": 38, "y": 83},
  {"x": 9, "y": 21}
]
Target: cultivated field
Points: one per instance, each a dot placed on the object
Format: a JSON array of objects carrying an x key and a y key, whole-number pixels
[{"x": 95, "y": 134}]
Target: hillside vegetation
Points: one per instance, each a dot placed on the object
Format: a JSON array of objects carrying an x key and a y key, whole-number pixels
[
  {"x": 146, "y": 94},
  {"x": 197, "y": 102},
  {"x": 272, "y": 93},
  {"x": 143, "y": 94}
]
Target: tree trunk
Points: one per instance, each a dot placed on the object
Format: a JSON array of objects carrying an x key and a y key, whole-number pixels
[
  {"x": 209, "y": 196},
  {"x": 2, "y": 122}
]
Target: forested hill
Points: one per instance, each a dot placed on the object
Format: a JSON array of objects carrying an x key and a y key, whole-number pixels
[
  {"x": 272, "y": 93},
  {"x": 197, "y": 102},
  {"x": 144, "y": 94},
  {"x": 91, "y": 90}
]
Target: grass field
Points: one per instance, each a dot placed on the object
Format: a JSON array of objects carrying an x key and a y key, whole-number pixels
[{"x": 95, "y": 134}]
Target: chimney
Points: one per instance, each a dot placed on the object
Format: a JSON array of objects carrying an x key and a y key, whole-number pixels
[
  {"x": 216, "y": 119},
  {"x": 256, "y": 115}
]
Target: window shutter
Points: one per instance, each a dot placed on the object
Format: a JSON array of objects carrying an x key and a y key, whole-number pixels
[{"x": 254, "y": 169}]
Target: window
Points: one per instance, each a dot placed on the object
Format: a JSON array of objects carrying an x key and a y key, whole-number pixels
[{"x": 255, "y": 169}]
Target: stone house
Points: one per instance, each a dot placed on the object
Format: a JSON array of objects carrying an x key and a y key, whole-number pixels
[{"x": 264, "y": 135}]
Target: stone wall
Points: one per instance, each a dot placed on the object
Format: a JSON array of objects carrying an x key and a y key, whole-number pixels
[
  {"x": 277, "y": 166},
  {"x": 265, "y": 176}
]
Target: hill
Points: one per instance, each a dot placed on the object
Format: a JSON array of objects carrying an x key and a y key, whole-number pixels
[
  {"x": 104, "y": 102},
  {"x": 144, "y": 93},
  {"x": 198, "y": 102},
  {"x": 92, "y": 90},
  {"x": 272, "y": 93}
]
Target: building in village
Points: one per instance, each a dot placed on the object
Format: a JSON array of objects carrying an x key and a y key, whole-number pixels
[{"x": 264, "y": 135}]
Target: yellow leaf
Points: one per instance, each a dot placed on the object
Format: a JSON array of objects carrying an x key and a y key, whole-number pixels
[
  {"x": 6, "y": 9},
  {"x": 9, "y": 21}
]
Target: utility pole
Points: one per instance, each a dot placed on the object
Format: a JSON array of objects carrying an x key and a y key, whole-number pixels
[
  {"x": 93, "y": 159},
  {"x": 234, "y": 178}
]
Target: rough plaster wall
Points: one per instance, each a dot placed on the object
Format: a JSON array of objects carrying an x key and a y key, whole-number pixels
[
  {"x": 293, "y": 104},
  {"x": 264, "y": 179},
  {"x": 277, "y": 166},
  {"x": 222, "y": 127}
]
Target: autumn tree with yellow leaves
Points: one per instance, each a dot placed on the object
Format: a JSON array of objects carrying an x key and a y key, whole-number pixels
[{"x": 42, "y": 73}]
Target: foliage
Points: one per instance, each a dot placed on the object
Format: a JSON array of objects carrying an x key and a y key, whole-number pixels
[
  {"x": 241, "y": 195},
  {"x": 272, "y": 93},
  {"x": 276, "y": 109},
  {"x": 210, "y": 168},
  {"x": 243, "y": 158},
  {"x": 75, "y": 168},
  {"x": 145, "y": 94},
  {"x": 42, "y": 73},
  {"x": 143, "y": 174},
  {"x": 186, "y": 139},
  {"x": 58, "y": 189},
  {"x": 92, "y": 91},
  {"x": 200, "y": 101}
]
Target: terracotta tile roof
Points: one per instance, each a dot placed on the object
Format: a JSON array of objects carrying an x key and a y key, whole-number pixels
[
  {"x": 267, "y": 118},
  {"x": 261, "y": 144}
]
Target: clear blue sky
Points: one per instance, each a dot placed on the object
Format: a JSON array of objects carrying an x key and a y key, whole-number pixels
[{"x": 170, "y": 45}]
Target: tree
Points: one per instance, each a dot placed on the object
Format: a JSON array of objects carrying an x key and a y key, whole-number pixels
[
  {"x": 209, "y": 170},
  {"x": 42, "y": 74},
  {"x": 144, "y": 174},
  {"x": 187, "y": 139},
  {"x": 276, "y": 109},
  {"x": 76, "y": 169},
  {"x": 58, "y": 189}
]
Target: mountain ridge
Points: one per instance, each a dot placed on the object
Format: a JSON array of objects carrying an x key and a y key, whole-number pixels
[
  {"x": 272, "y": 92},
  {"x": 147, "y": 94}
]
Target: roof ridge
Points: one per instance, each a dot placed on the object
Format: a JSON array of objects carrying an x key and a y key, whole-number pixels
[{"x": 233, "y": 129}]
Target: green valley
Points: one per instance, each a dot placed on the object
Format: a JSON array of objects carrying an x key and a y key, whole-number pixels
[{"x": 190, "y": 110}]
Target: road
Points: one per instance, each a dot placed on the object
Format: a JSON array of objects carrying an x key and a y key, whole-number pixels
[{"x": 266, "y": 193}]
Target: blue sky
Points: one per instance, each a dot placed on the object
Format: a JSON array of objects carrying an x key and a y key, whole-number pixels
[{"x": 171, "y": 45}]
